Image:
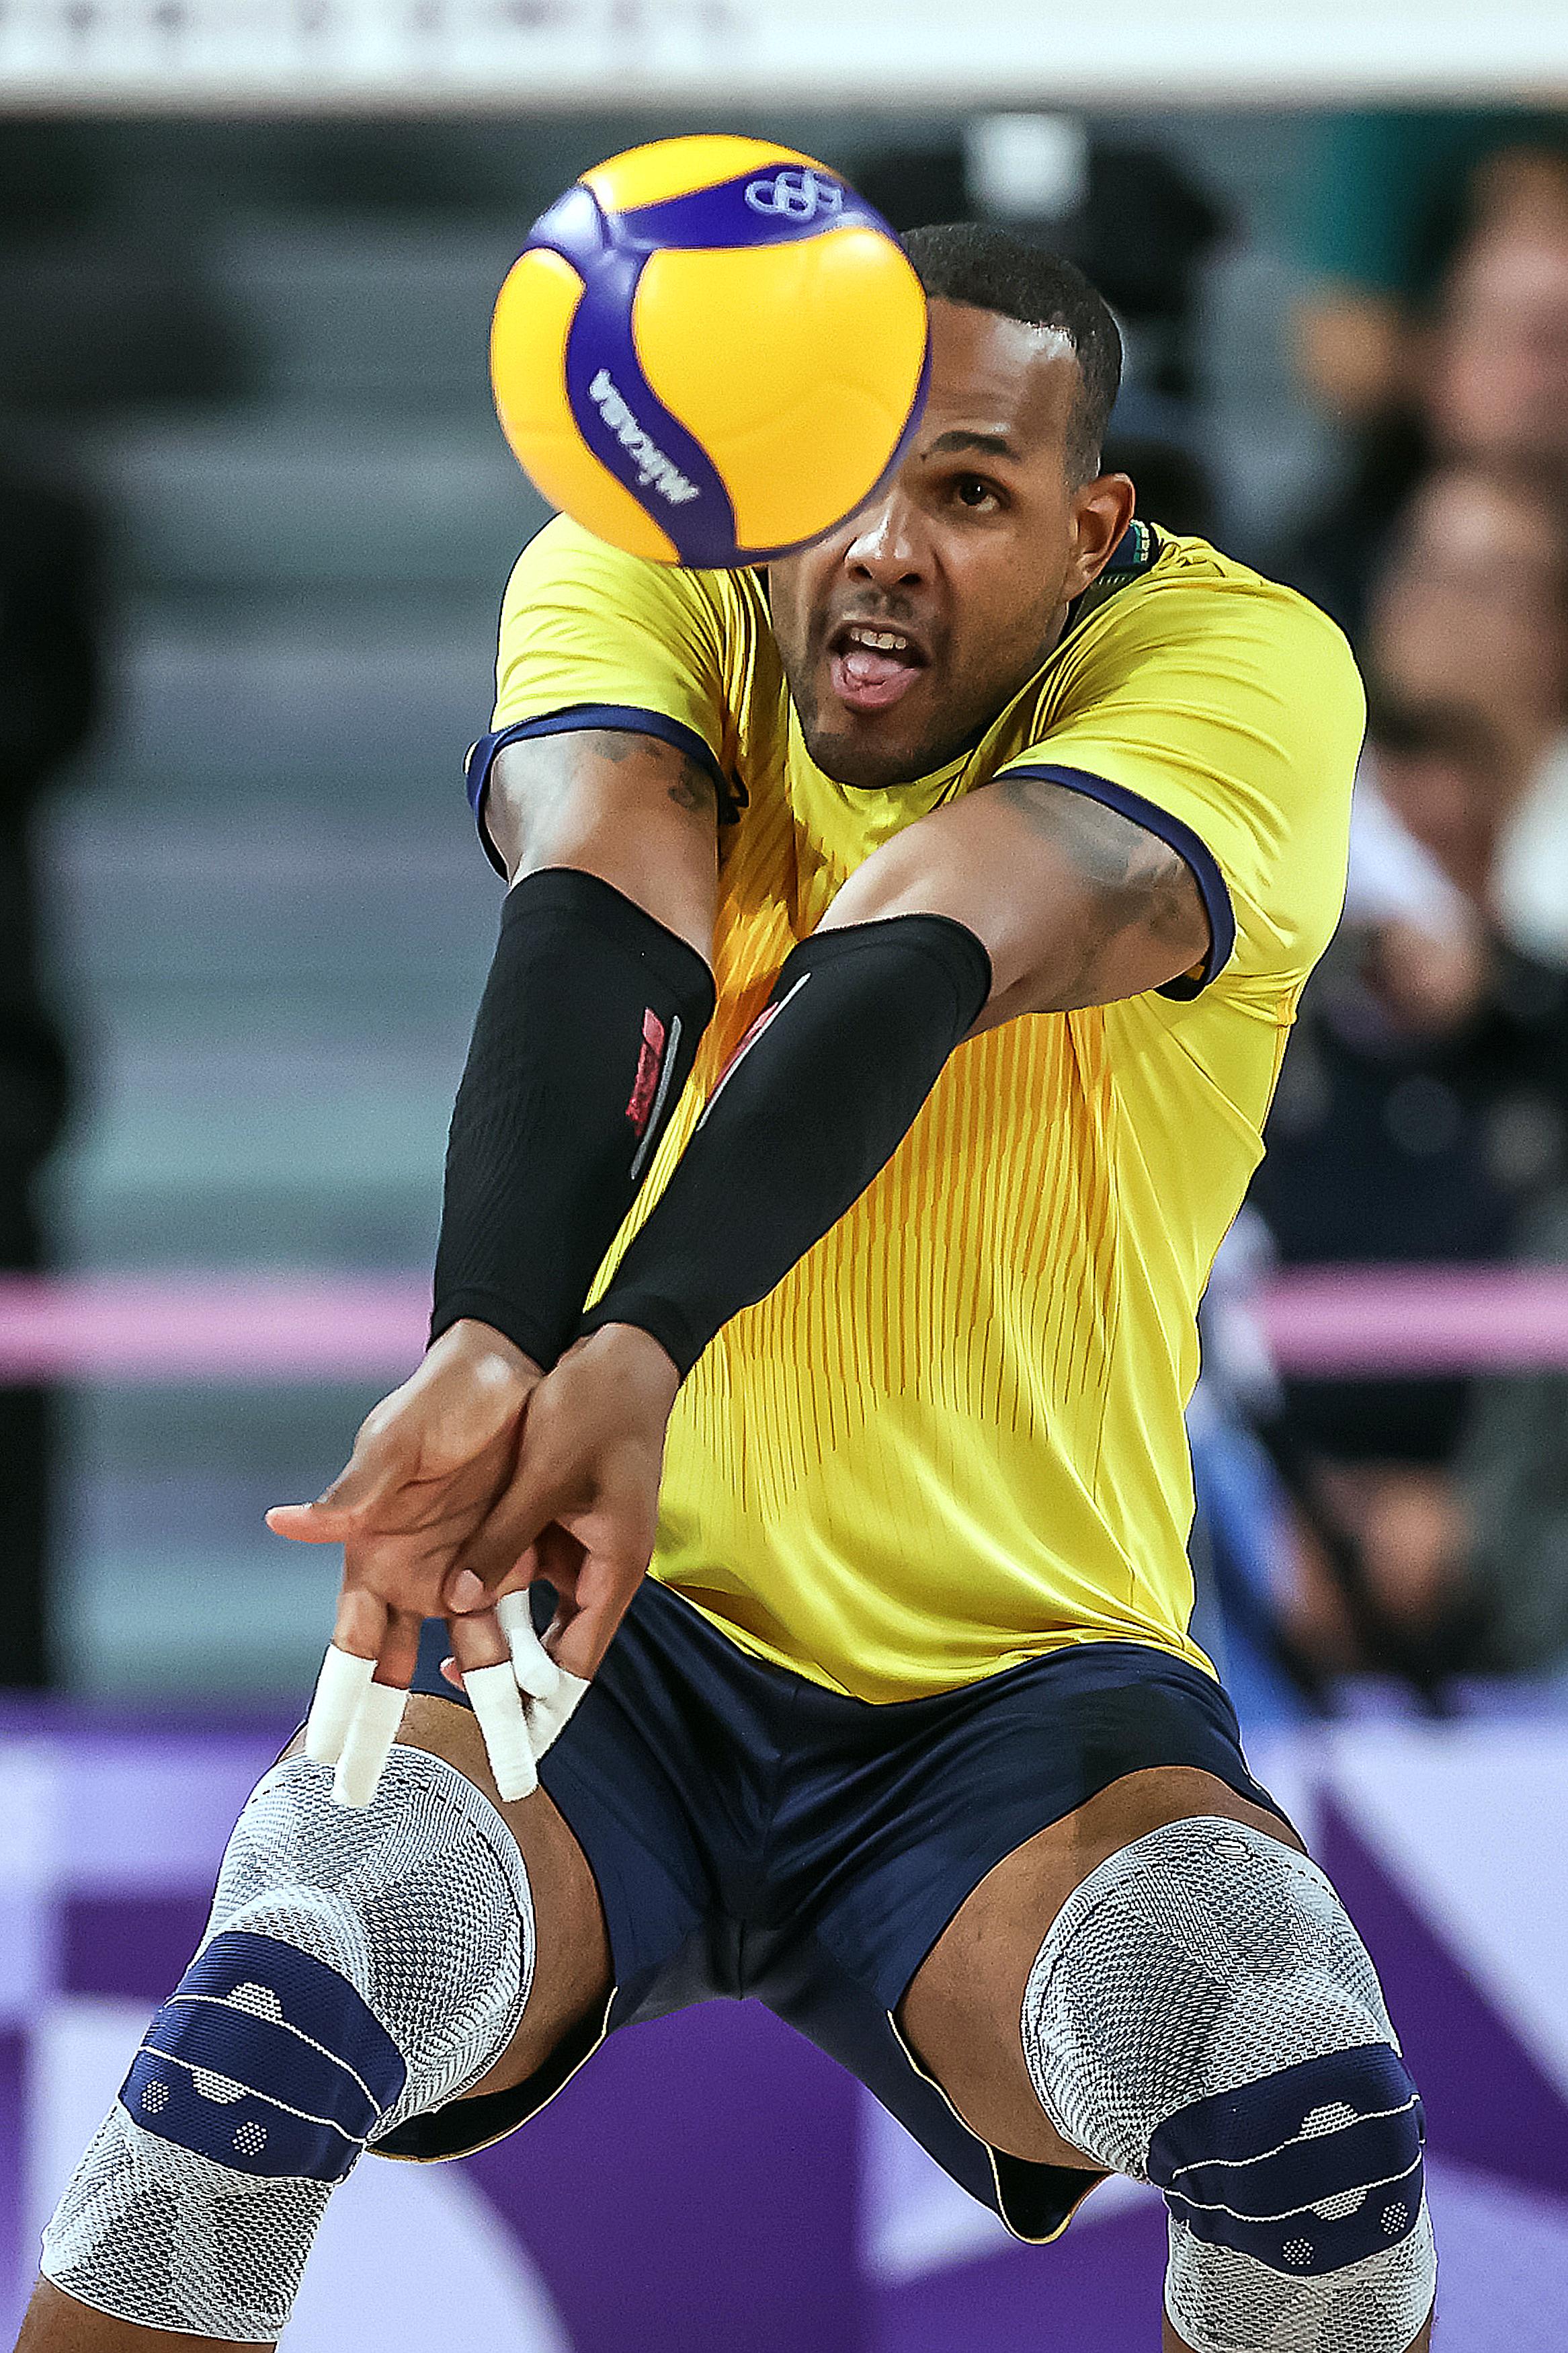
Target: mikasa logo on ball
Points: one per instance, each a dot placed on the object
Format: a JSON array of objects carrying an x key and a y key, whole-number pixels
[
  {"x": 653, "y": 467},
  {"x": 798, "y": 195}
]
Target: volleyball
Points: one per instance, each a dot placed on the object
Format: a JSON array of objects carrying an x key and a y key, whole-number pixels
[{"x": 711, "y": 351}]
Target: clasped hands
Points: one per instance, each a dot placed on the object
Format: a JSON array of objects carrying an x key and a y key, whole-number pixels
[{"x": 477, "y": 1477}]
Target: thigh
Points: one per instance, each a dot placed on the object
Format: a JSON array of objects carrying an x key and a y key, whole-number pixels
[{"x": 961, "y": 2012}]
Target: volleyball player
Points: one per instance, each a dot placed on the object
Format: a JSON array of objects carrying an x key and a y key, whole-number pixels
[{"x": 899, "y": 949}]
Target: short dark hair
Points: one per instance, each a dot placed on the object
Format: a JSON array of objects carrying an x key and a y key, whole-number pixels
[{"x": 990, "y": 269}]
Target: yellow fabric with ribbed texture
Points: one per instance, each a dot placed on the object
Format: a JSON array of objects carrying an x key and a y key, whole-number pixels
[{"x": 951, "y": 1437}]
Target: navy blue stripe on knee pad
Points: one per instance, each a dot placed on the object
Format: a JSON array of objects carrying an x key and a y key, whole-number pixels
[
  {"x": 1307, "y": 2171},
  {"x": 267, "y": 2061}
]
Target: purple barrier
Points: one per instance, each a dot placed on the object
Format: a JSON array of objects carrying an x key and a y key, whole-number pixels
[{"x": 711, "y": 2183}]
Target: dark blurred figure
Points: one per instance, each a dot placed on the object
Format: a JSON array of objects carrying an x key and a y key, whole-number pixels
[
  {"x": 1132, "y": 216},
  {"x": 1423, "y": 1111},
  {"x": 1421, "y": 326},
  {"x": 49, "y": 686},
  {"x": 106, "y": 285},
  {"x": 1174, "y": 488}
]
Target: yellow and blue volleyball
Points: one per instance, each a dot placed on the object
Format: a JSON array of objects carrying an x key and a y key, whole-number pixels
[{"x": 711, "y": 351}]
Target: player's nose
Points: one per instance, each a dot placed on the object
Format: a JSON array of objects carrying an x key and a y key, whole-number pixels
[{"x": 887, "y": 550}]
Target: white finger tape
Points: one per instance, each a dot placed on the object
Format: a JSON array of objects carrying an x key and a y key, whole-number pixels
[
  {"x": 369, "y": 1745},
  {"x": 547, "y": 1718},
  {"x": 493, "y": 1695},
  {"x": 536, "y": 1672},
  {"x": 340, "y": 1687}
]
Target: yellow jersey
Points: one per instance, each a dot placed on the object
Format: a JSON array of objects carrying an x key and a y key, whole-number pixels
[{"x": 952, "y": 1437}]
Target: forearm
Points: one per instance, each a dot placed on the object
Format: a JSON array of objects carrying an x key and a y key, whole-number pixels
[
  {"x": 814, "y": 1103},
  {"x": 587, "y": 1033},
  {"x": 595, "y": 1004}
]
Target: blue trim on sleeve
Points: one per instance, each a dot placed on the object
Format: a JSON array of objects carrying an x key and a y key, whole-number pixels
[
  {"x": 1176, "y": 836},
  {"x": 625, "y": 719}
]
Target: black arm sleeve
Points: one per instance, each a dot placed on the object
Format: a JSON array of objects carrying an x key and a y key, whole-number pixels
[
  {"x": 587, "y": 1033},
  {"x": 819, "y": 1094}
]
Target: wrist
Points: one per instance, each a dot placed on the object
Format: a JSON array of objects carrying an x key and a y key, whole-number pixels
[
  {"x": 484, "y": 1354},
  {"x": 634, "y": 1357}
]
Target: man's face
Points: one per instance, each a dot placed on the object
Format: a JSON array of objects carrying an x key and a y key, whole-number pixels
[
  {"x": 904, "y": 632},
  {"x": 1499, "y": 387},
  {"x": 1470, "y": 607}
]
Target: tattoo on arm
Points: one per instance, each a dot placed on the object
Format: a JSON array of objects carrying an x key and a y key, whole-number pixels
[
  {"x": 521, "y": 814},
  {"x": 692, "y": 784},
  {"x": 692, "y": 788},
  {"x": 1133, "y": 878}
]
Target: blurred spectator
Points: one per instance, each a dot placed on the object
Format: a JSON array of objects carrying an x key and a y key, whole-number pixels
[
  {"x": 1497, "y": 377},
  {"x": 1389, "y": 196},
  {"x": 1504, "y": 1540},
  {"x": 1482, "y": 1546},
  {"x": 1423, "y": 1111},
  {"x": 1467, "y": 634},
  {"x": 1432, "y": 243},
  {"x": 49, "y": 688}
]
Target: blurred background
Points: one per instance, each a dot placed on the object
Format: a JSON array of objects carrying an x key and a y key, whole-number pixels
[{"x": 254, "y": 521}]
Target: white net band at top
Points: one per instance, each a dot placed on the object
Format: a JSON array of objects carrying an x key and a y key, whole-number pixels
[{"x": 339, "y": 56}]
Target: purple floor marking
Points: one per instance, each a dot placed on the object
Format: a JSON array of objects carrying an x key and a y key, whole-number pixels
[
  {"x": 1487, "y": 2101},
  {"x": 711, "y": 2158},
  {"x": 13, "y": 2177},
  {"x": 262, "y": 1724},
  {"x": 129, "y": 1945},
  {"x": 154, "y": 1815},
  {"x": 1098, "y": 2289}
]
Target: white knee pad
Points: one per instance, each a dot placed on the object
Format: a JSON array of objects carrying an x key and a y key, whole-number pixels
[
  {"x": 358, "y": 1969},
  {"x": 1204, "y": 2015}
]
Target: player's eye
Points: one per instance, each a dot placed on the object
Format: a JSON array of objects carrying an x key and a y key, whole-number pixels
[{"x": 973, "y": 491}]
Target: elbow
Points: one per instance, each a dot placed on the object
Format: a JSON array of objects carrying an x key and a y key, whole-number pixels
[
  {"x": 891, "y": 884},
  {"x": 899, "y": 878}
]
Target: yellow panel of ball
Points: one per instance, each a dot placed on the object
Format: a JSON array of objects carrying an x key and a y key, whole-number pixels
[
  {"x": 795, "y": 360},
  {"x": 533, "y": 316}
]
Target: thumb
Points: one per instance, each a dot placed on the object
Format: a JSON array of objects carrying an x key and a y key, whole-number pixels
[
  {"x": 336, "y": 1515},
  {"x": 306, "y": 1523}
]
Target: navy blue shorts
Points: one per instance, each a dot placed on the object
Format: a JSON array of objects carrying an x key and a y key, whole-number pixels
[{"x": 754, "y": 1834}]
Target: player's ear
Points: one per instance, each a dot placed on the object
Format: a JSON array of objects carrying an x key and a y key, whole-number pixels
[{"x": 1101, "y": 511}]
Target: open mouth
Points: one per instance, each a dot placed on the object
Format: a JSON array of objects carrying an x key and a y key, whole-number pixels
[{"x": 872, "y": 664}]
